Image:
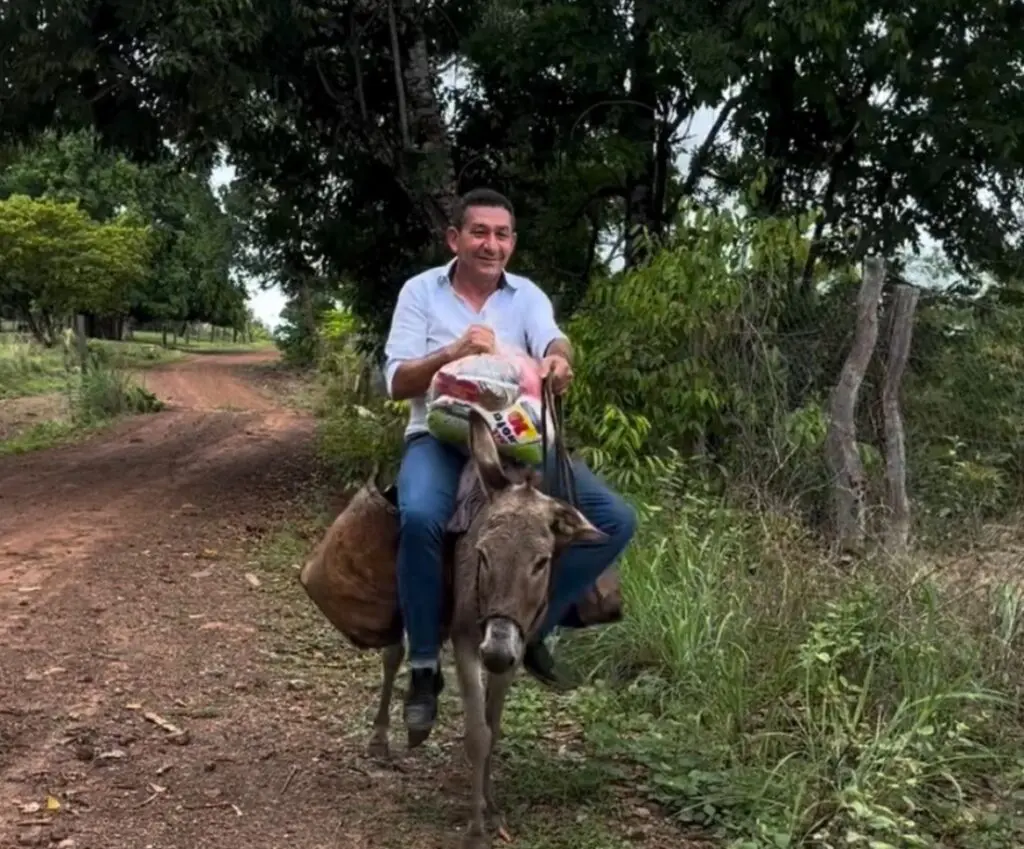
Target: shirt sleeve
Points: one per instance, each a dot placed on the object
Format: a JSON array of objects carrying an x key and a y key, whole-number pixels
[
  {"x": 541, "y": 327},
  {"x": 407, "y": 339}
]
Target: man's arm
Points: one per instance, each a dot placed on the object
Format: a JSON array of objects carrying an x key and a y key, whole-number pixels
[
  {"x": 560, "y": 347},
  {"x": 412, "y": 378},
  {"x": 543, "y": 335},
  {"x": 409, "y": 368}
]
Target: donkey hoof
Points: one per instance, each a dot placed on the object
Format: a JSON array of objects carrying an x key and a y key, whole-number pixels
[
  {"x": 378, "y": 747},
  {"x": 476, "y": 841},
  {"x": 495, "y": 819}
]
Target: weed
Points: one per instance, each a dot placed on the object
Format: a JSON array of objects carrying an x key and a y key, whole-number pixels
[{"x": 791, "y": 704}]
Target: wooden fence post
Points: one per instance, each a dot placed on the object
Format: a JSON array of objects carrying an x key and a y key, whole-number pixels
[
  {"x": 900, "y": 333},
  {"x": 849, "y": 485}
]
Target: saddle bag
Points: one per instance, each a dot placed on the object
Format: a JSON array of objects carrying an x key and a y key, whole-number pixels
[{"x": 351, "y": 575}]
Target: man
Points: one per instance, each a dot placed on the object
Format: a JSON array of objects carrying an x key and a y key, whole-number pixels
[{"x": 442, "y": 315}]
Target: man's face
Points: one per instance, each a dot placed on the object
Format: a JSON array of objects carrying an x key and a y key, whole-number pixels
[{"x": 485, "y": 243}]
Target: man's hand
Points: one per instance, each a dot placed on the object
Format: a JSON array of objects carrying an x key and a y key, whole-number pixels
[
  {"x": 476, "y": 340},
  {"x": 559, "y": 369}
]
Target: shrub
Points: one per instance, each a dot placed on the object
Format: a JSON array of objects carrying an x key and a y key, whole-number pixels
[
  {"x": 786, "y": 703},
  {"x": 104, "y": 392}
]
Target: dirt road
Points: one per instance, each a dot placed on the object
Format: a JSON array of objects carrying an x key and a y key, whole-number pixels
[{"x": 130, "y": 606}]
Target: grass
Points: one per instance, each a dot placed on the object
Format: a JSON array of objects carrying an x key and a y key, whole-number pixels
[
  {"x": 793, "y": 704},
  {"x": 27, "y": 368},
  {"x": 104, "y": 393},
  {"x": 201, "y": 345},
  {"x": 757, "y": 693},
  {"x": 44, "y": 434}
]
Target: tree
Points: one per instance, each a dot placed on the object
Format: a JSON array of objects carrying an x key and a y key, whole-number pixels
[
  {"x": 58, "y": 261},
  {"x": 193, "y": 241},
  {"x": 349, "y": 144}
]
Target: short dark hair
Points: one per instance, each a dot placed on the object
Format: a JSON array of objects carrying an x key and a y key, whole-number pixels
[{"x": 480, "y": 197}]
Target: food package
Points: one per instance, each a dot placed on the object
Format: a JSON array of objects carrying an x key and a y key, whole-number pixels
[{"x": 505, "y": 387}]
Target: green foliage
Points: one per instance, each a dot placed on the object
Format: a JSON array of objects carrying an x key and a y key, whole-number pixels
[
  {"x": 354, "y": 438},
  {"x": 965, "y": 412},
  {"x": 27, "y": 369},
  {"x": 359, "y": 429},
  {"x": 104, "y": 392},
  {"x": 58, "y": 261},
  {"x": 578, "y": 110},
  {"x": 779, "y": 703},
  {"x": 190, "y": 242}
]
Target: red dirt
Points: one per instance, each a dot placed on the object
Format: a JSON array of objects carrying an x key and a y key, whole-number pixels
[{"x": 126, "y": 587}]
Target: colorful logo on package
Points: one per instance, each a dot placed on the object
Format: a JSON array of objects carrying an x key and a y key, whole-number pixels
[{"x": 514, "y": 425}]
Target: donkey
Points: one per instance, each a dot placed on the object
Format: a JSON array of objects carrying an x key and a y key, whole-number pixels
[{"x": 500, "y": 574}]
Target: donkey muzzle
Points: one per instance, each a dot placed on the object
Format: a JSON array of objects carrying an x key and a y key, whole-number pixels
[{"x": 502, "y": 646}]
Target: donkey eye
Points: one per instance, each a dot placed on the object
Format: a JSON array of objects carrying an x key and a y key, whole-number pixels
[{"x": 541, "y": 563}]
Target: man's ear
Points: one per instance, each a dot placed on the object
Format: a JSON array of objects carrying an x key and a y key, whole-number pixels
[
  {"x": 484, "y": 452},
  {"x": 451, "y": 236},
  {"x": 570, "y": 525}
]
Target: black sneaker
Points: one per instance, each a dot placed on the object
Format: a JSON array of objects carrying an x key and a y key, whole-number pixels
[
  {"x": 425, "y": 685},
  {"x": 539, "y": 663}
]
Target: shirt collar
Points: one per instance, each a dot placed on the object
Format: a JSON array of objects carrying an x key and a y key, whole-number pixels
[{"x": 449, "y": 273}]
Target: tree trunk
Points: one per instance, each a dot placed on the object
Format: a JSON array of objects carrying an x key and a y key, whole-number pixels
[
  {"x": 640, "y": 126},
  {"x": 901, "y": 331},
  {"x": 432, "y": 170},
  {"x": 36, "y": 330},
  {"x": 82, "y": 342},
  {"x": 308, "y": 310},
  {"x": 849, "y": 486}
]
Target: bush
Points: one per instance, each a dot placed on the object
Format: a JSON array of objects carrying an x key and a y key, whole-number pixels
[
  {"x": 352, "y": 439},
  {"x": 359, "y": 427},
  {"x": 105, "y": 392},
  {"x": 786, "y": 703}
]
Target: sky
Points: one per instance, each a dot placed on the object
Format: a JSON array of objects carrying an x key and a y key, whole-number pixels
[{"x": 266, "y": 304}]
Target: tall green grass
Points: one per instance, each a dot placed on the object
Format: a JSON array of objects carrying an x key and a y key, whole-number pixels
[
  {"x": 104, "y": 392},
  {"x": 784, "y": 702},
  {"x": 27, "y": 368}
]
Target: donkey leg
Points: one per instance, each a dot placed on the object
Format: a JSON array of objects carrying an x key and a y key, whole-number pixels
[
  {"x": 391, "y": 658},
  {"x": 478, "y": 738},
  {"x": 497, "y": 691}
]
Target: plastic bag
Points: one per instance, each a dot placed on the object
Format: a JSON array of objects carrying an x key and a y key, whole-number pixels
[{"x": 505, "y": 387}]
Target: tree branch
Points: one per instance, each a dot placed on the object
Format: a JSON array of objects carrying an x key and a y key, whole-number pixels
[
  {"x": 403, "y": 113},
  {"x": 699, "y": 159}
]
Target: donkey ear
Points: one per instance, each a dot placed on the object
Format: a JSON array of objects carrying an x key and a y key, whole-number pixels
[
  {"x": 484, "y": 451},
  {"x": 570, "y": 525}
]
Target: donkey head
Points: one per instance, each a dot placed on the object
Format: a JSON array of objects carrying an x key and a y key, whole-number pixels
[{"x": 521, "y": 534}]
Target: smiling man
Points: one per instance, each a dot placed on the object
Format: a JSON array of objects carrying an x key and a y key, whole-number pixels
[{"x": 442, "y": 315}]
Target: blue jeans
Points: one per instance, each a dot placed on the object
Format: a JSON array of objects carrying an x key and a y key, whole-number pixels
[{"x": 427, "y": 485}]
